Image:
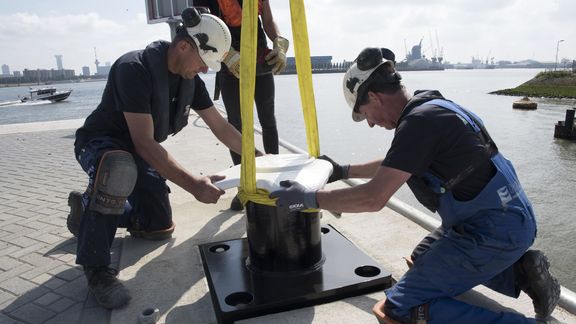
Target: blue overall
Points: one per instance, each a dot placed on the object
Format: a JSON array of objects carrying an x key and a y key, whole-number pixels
[
  {"x": 147, "y": 208},
  {"x": 478, "y": 243}
]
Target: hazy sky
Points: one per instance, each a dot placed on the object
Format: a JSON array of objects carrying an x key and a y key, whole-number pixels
[{"x": 33, "y": 31}]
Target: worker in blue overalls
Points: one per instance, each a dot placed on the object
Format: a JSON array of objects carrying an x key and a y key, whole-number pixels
[{"x": 453, "y": 167}]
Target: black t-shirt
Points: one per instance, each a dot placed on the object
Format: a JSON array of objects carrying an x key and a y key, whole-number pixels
[
  {"x": 437, "y": 140},
  {"x": 129, "y": 89}
]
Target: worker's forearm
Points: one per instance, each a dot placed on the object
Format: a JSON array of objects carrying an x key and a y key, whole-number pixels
[
  {"x": 230, "y": 137},
  {"x": 354, "y": 199},
  {"x": 365, "y": 170}
]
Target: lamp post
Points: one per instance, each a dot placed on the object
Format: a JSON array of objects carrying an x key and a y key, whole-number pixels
[{"x": 557, "y": 47}]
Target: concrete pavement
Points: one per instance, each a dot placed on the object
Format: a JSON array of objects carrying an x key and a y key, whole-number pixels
[
  {"x": 39, "y": 280},
  {"x": 40, "y": 283}
]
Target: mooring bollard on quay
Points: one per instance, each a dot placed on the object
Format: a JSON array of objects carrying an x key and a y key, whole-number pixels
[{"x": 288, "y": 259}]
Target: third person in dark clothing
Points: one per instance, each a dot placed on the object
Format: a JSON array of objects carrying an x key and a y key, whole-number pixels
[{"x": 269, "y": 62}]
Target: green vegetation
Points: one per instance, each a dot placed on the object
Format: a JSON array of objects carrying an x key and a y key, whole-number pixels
[{"x": 552, "y": 84}]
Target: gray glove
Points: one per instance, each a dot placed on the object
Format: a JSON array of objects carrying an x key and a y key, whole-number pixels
[
  {"x": 277, "y": 56},
  {"x": 295, "y": 197},
  {"x": 339, "y": 172}
]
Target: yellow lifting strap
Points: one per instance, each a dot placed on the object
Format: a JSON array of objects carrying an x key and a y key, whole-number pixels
[
  {"x": 248, "y": 50},
  {"x": 304, "y": 68}
]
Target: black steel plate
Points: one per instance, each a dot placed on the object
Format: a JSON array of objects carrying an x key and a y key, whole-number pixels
[{"x": 239, "y": 293}]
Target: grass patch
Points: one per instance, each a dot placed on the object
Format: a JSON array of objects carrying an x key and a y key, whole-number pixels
[
  {"x": 551, "y": 84},
  {"x": 550, "y": 91},
  {"x": 553, "y": 75}
]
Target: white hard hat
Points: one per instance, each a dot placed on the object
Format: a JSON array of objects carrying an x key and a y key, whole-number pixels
[
  {"x": 367, "y": 62},
  {"x": 353, "y": 79},
  {"x": 212, "y": 39}
]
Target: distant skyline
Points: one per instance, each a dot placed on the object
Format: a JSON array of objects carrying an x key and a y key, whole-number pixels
[{"x": 32, "y": 32}]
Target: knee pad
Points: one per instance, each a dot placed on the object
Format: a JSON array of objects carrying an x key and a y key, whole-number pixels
[{"x": 114, "y": 182}]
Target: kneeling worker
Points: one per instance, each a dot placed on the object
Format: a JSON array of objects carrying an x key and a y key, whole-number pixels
[
  {"x": 453, "y": 167},
  {"x": 148, "y": 96}
]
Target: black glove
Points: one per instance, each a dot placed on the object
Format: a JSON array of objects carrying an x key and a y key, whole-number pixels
[
  {"x": 295, "y": 197},
  {"x": 339, "y": 172}
]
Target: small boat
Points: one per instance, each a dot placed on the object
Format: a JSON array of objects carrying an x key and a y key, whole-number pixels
[
  {"x": 524, "y": 103},
  {"x": 50, "y": 94}
]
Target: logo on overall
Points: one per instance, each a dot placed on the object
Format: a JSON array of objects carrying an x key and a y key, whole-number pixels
[{"x": 504, "y": 194}]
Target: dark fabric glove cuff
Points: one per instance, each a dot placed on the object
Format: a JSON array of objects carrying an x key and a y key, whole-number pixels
[
  {"x": 345, "y": 170},
  {"x": 310, "y": 199}
]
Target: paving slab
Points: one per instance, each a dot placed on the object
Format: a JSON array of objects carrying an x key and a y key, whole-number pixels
[{"x": 40, "y": 283}]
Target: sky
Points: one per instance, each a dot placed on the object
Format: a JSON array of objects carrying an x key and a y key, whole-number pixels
[{"x": 33, "y": 31}]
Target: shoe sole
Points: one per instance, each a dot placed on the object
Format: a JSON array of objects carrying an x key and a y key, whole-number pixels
[
  {"x": 75, "y": 217},
  {"x": 543, "y": 286},
  {"x": 154, "y": 235}
]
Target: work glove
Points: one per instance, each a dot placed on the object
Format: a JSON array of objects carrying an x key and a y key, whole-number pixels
[
  {"x": 339, "y": 172},
  {"x": 295, "y": 197},
  {"x": 232, "y": 61},
  {"x": 277, "y": 57}
]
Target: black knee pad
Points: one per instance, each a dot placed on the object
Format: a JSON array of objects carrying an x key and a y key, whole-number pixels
[{"x": 114, "y": 182}]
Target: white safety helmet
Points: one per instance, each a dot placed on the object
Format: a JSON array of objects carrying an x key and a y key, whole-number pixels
[
  {"x": 353, "y": 79},
  {"x": 210, "y": 34},
  {"x": 368, "y": 61}
]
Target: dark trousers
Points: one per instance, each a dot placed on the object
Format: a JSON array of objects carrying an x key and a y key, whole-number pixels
[
  {"x": 147, "y": 207},
  {"x": 264, "y": 99}
]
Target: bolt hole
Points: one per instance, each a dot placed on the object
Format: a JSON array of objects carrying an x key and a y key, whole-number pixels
[
  {"x": 324, "y": 230},
  {"x": 367, "y": 271},
  {"x": 148, "y": 311},
  {"x": 219, "y": 248},
  {"x": 239, "y": 298}
]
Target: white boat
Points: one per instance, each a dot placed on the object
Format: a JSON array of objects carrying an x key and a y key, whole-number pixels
[{"x": 50, "y": 94}]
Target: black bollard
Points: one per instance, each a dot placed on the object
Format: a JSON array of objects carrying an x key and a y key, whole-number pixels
[
  {"x": 281, "y": 242},
  {"x": 287, "y": 261},
  {"x": 569, "y": 120},
  {"x": 565, "y": 129}
]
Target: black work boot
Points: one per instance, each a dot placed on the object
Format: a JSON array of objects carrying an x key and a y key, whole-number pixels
[
  {"x": 536, "y": 281},
  {"x": 76, "y": 212},
  {"x": 154, "y": 235},
  {"x": 108, "y": 291},
  {"x": 236, "y": 204}
]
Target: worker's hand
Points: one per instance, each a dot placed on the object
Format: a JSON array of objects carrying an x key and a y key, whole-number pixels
[
  {"x": 295, "y": 197},
  {"x": 205, "y": 191},
  {"x": 232, "y": 61},
  {"x": 277, "y": 57},
  {"x": 339, "y": 172}
]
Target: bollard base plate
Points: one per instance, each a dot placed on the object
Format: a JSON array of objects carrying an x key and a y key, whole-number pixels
[{"x": 239, "y": 293}]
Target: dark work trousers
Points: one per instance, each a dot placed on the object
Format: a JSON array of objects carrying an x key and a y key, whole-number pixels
[
  {"x": 264, "y": 99},
  {"x": 147, "y": 208}
]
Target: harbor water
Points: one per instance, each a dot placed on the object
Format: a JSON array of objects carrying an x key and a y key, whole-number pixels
[{"x": 546, "y": 166}]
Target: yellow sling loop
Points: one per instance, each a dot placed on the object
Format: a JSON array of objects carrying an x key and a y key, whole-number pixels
[
  {"x": 304, "y": 68},
  {"x": 248, "y": 48}
]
